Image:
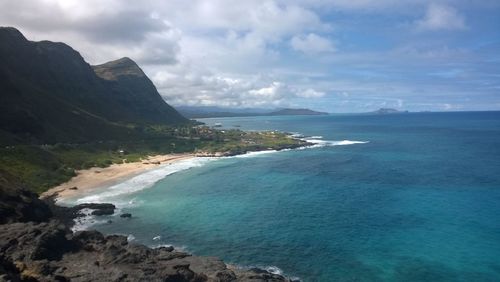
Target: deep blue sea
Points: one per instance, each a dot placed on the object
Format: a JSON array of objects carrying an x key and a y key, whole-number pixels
[{"x": 419, "y": 202}]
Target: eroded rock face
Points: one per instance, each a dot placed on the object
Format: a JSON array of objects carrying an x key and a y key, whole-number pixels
[
  {"x": 36, "y": 244},
  {"x": 126, "y": 215},
  {"x": 97, "y": 209},
  {"x": 49, "y": 251},
  {"x": 18, "y": 204}
]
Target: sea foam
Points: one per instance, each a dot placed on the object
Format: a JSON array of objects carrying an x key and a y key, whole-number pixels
[
  {"x": 86, "y": 220},
  {"x": 269, "y": 268},
  {"x": 328, "y": 143},
  {"x": 254, "y": 154},
  {"x": 149, "y": 178},
  {"x": 142, "y": 181}
]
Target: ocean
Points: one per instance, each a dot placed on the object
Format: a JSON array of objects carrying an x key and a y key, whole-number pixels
[{"x": 403, "y": 197}]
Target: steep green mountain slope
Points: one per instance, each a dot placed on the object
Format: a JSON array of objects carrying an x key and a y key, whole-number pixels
[
  {"x": 49, "y": 94},
  {"x": 133, "y": 90}
]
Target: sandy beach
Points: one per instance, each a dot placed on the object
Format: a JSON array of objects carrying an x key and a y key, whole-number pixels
[{"x": 96, "y": 177}]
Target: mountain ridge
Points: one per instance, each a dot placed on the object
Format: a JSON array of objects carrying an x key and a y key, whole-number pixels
[
  {"x": 112, "y": 70},
  {"x": 51, "y": 94}
]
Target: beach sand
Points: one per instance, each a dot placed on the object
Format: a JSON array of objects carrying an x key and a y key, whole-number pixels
[{"x": 96, "y": 177}]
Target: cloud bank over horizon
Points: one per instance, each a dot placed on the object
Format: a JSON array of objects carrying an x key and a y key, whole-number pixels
[{"x": 335, "y": 56}]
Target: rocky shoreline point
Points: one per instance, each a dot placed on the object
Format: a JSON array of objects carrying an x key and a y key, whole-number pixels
[{"x": 37, "y": 244}]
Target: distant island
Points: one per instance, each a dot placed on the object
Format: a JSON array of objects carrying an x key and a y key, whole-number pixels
[
  {"x": 297, "y": 112},
  {"x": 385, "y": 111},
  {"x": 210, "y": 112}
]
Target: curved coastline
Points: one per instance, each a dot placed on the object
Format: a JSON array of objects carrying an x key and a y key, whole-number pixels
[
  {"x": 89, "y": 180},
  {"x": 98, "y": 180},
  {"x": 92, "y": 185}
]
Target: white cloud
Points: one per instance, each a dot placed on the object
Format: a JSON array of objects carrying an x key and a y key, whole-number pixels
[
  {"x": 441, "y": 17},
  {"x": 310, "y": 93},
  {"x": 218, "y": 52},
  {"x": 202, "y": 87},
  {"x": 451, "y": 107},
  {"x": 269, "y": 19},
  {"x": 201, "y": 52},
  {"x": 101, "y": 31},
  {"x": 399, "y": 103},
  {"x": 312, "y": 44},
  {"x": 187, "y": 87},
  {"x": 354, "y": 4},
  {"x": 273, "y": 91}
]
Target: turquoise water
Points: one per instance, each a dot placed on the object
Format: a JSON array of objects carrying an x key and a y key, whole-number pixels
[{"x": 419, "y": 202}]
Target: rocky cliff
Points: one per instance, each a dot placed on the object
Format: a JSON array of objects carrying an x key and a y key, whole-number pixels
[{"x": 36, "y": 245}]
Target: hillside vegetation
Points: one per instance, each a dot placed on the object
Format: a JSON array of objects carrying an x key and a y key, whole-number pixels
[{"x": 58, "y": 114}]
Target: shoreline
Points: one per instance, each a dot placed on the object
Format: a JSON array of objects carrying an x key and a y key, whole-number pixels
[
  {"x": 38, "y": 245},
  {"x": 87, "y": 180},
  {"x": 90, "y": 179}
]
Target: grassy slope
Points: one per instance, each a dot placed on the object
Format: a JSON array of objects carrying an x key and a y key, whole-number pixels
[{"x": 44, "y": 166}]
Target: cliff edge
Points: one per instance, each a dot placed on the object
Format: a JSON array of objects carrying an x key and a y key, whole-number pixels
[{"x": 37, "y": 245}]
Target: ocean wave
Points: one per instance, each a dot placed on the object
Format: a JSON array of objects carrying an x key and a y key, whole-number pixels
[
  {"x": 147, "y": 179},
  {"x": 328, "y": 143},
  {"x": 183, "y": 249},
  {"x": 86, "y": 220},
  {"x": 274, "y": 270},
  {"x": 315, "y": 140},
  {"x": 254, "y": 154},
  {"x": 142, "y": 181},
  {"x": 269, "y": 268},
  {"x": 316, "y": 137}
]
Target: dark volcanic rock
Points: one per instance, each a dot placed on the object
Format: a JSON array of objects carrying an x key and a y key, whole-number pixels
[
  {"x": 49, "y": 251},
  {"x": 45, "y": 249},
  {"x": 98, "y": 209},
  {"x": 126, "y": 215},
  {"x": 68, "y": 214},
  {"x": 18, "y": 204},
  {"x": 257, "y": 274}
]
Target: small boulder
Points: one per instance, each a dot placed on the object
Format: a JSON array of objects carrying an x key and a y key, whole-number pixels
[
  {"x": 98, "y": 209},
  {"x": 166, "y": 248},
  {"x": 126, "y": 215}
]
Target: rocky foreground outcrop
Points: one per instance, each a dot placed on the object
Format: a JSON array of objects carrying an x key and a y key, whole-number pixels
[
  {"x": 18, "y": 204},
  {"x": 36, "y": 245}
]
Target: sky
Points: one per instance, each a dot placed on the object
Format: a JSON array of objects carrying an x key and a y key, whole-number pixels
[{"x": 335, "y": 56}]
